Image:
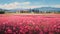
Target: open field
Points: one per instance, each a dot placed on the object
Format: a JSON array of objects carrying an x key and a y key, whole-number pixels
[{"x": 29, "y": 23}]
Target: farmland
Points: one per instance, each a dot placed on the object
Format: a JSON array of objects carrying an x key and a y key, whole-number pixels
[{"x": 30, "y": 23}]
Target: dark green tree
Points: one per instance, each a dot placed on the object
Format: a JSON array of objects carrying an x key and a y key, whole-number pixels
[{"x": 2, "y": 12}]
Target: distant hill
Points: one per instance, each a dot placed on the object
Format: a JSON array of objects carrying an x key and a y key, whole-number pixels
[{"x": 47, "y": 9}]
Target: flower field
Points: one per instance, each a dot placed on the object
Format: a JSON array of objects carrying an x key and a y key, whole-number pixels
[{"x": 30, "y": 24}]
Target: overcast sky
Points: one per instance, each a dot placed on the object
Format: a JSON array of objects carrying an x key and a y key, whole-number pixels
[{"x": 13, "y": 4}]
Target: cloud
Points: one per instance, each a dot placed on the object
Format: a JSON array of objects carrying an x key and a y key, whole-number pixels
[
  {"x": 14, "y": 5},
  {"x": 57, "y": 6},
  {"x": 25, "y": 5}
]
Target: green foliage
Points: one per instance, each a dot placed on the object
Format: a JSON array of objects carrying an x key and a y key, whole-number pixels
[
  {"x": 58, "y": 11},
  {"x": 2, "y": 12}
]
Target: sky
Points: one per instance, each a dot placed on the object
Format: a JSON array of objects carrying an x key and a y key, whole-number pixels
[{"x": 26, "y": 4}]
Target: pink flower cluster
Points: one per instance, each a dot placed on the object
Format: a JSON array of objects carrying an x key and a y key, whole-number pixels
[{"x": 29, "y": 24}]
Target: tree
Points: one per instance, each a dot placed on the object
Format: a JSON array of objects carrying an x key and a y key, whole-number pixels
[{"x": 2, "y": 12}]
